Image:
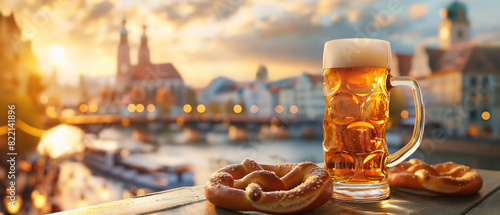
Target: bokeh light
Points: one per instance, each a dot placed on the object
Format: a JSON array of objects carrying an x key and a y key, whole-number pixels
[
  {"x": 404, "y": 114},
  {"x": 187, "y": 108},
  {"x": 279, "y": 109},
  {"x": 83, "y": 108},
  {"x": 139, "y": 108},
  {"x": 200, "y": 108},
  {"x": 131, "y": 108},
  {"x": 151, "y": 108},
  {"x": 237, "y": 108},
  {"x": 254, "y": 108},
  {"x": 485, "y": 115},
  {"x": 93, "y": 108}
]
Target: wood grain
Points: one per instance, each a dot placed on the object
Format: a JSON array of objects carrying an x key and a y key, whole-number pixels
[
  {"x": 490, "y": 205},
  {"x": 191, "y": 200},
  {"x": 146, "y": 204}
]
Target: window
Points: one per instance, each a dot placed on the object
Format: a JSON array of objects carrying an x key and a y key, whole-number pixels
[
  {"x": 473, "y": 130},
  {"x": 474, "y": 99},
  {"x": 473, "y": 115},
  {"x": 486, "y": 132},
  {"x": 486, "y": 81},
  {"x": 473, "y": 81},
  {"x": 486, "y": 98},
  {"x": 460, "y": 34}
]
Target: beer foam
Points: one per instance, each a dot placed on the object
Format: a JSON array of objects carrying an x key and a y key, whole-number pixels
[{"x": 357, "y": 52}]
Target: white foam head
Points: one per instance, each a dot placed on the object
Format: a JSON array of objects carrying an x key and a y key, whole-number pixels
[{"x": 357, "y": 52}]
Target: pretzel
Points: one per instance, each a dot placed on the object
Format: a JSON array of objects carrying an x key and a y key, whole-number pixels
[
  {"x": 446, "y": 178},
  {"x": 287, "y": 188}
]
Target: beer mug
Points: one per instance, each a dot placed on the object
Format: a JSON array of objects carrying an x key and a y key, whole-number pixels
[{"x": 356, "y": 86}]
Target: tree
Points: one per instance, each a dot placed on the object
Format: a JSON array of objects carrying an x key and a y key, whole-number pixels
[
  {"x": 35, "y": 87},
  {"x": 165, "y": 100},
  {"x": 243, "y": 107},
  {"x": 396, "y": 105},
  {"x": 228, "y": 107},
  {"x": 138, "y": 95},
  {"x": 191, "y": 97},
  {"x": 214, "y": 107},
  {"x": 27, "y": 112}
]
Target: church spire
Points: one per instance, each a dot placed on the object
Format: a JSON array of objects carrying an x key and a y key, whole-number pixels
[
  {"x": 124, "y": 23},
  {"x": 123, "y": 70},
  {"x": 53, "y": 77},
  {"x": 144, "y": 49},
  {"x": 82, "y": 86},
  {"x": 124, "y": 33},
  {"x": 143, "y": 31}
]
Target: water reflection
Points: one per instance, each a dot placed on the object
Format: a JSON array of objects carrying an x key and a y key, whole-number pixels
[
  {"x": 61, "y": 140},
  {"x": 79, "y": 187},
  {"x": 394, "y": 206}
]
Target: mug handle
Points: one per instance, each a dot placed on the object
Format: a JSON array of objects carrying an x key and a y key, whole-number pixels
[{"x": 418, "y": 130}]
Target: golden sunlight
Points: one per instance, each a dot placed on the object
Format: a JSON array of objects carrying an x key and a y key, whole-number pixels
[
  {"x": 61, "y": 140},
  {"x": 57, "y": 54}
]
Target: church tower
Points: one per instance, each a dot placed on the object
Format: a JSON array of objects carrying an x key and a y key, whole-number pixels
[
  {"x": 82, "y": 87},
  {"x": 455, "y": 26},
  {"x": 123, "y": 68},
  {"x": 144, "y": 49},
  {"x": 262, "y": 74}
]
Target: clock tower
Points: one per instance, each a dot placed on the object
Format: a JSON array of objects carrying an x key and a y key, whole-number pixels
[
  {"x": 123, "y": 68},
  {"x": 144, "y": 49},
  {"x": 455, "y": 26}
]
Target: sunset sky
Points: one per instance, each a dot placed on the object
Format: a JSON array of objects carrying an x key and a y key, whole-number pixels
[{"x": 206, "y": 39}]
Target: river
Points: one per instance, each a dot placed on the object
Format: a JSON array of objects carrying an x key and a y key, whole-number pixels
[{"x": 78, "y": 182}]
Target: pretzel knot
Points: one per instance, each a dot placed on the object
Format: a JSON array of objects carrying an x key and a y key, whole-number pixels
[
  {"x": 287, "y": 188},
  {"x": 446, "y": 178}
]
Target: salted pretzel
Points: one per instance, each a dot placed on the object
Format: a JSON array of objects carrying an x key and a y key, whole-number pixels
[
  {"x": 287, "y": 188},
  {"x": 446, "y": 178}
]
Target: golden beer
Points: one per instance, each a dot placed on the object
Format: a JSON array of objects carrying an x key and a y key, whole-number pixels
[
  {"x": 358, "y": 113},
  {"x": 356, "y": 88}
]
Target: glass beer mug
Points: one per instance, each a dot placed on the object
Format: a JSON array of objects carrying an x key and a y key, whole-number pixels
[{"x": 356, "y": 86}]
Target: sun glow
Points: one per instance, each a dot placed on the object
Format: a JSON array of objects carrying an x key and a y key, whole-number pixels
[{"x": 57, "y": 54}]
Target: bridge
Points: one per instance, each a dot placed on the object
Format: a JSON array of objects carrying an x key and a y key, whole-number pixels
[
  {"x": 181, "y": 119},
  {"x": 152, "y": 123}
]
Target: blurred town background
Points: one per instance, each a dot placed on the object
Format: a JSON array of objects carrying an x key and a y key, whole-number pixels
[{"x": 120, "y": 99}]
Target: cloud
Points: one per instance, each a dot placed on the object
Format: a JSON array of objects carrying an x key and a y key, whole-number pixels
[
  {"x": 98, "y": 11},
  {"x": 335, "y": 17},
  {"x": 324, "y": 7},
  {"x": 492, "y": 38},
  {"x": 417, "y": 10},
  {"x": 212, "y": 34},
  {"x": 180, "y": 13},
  {"x": 353, "y": 15},
  {"x": 287, "y": 24}
]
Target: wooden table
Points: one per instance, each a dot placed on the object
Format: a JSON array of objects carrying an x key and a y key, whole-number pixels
[{"x": 191, "y": 200}]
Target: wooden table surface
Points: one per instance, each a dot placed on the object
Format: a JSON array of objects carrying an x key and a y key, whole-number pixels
[{"x": 191, "y": 200}]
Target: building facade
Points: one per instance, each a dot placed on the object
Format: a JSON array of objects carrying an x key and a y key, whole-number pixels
[
  {"x": 460, "y": 80},
  {"x": 310, "y": 99},
  {"x": 146, "y": 77},
  {"x": 258, "y": 94},
  {"x": 287, "y": 98},
  {"x": 20, "y": 72},
  {"x": 463, "y": 87}
]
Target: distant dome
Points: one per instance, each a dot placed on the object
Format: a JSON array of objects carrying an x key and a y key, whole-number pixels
[{"x": 457, "y": 11}]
